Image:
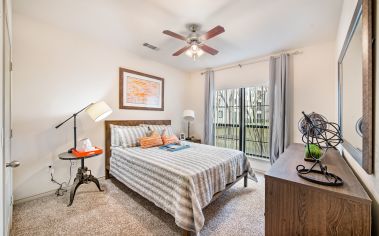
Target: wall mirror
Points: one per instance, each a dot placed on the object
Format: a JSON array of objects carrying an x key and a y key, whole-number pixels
[{"x": 355, "y": 84}]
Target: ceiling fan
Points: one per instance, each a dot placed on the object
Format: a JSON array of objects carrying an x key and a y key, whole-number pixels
[{"x": 195, "y": 42}]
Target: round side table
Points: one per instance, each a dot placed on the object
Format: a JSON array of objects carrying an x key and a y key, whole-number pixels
[{"x": 81, "y": 176}]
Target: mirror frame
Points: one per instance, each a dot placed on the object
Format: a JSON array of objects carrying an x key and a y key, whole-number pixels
[{"x": 363, "y": 9}]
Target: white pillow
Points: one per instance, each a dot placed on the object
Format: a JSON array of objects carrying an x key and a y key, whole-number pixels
[
  {"x": 160, "y": 129},
  {"x": 115, "y": 137},
  {"x": 127, "y": 136}
]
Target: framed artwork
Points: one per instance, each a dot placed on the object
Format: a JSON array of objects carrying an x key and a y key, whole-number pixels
[{"x": 139, "y": 91}]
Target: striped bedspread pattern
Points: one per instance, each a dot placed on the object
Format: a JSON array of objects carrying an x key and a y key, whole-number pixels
[{"x": 181, "y": 183}]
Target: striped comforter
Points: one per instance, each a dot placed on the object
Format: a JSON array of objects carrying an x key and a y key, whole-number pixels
[{"x": 183, "y": 182}]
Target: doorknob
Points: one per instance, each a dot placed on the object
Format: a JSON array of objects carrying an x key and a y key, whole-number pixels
[{"x": 12, "y": 164}]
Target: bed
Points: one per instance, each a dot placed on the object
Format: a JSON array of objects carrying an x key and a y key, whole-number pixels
[{"x": 181, "y": 183}]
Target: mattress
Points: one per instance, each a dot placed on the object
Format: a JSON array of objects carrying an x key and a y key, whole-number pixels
[{"x": 182, "y": 183}]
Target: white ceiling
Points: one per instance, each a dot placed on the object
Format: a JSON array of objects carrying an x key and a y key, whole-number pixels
[{"x": 252, "y": 27}]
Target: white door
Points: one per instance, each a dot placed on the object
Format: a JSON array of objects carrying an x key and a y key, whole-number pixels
[{"x": 7, "y": 132}]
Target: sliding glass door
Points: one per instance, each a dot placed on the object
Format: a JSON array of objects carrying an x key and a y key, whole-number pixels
[
  {"x": 256, "y": 122},
  {"x": 228, "y": 118},
  {"x": 242, "y": 120}
]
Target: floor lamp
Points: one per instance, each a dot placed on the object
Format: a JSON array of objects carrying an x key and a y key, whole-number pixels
[{"x": 97, "y": 111}]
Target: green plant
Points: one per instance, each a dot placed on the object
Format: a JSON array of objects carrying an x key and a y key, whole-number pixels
[{"x": 313, "y": 151}]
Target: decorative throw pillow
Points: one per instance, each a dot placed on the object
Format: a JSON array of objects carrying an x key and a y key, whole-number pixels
[
  {"x": 151, "y": 141},
  {"x": 170, "y": 139},
  {"x": 129, "y": 135}
]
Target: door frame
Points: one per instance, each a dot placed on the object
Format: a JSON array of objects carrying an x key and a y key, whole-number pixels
[
  {"x": 6, "y": 13},
  {"x": 2, "y": 162}
]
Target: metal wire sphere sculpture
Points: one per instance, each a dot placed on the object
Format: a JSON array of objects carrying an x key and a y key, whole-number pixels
[{"x": 316, "y": 130}]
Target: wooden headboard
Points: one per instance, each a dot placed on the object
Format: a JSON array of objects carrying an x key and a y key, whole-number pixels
[{"x": 107, "y": 124}]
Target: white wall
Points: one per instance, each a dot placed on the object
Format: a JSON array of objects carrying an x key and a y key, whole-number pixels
[
  {"x": 312, "y": 74},
  {"x": 312, "y": 84},
  {"x": 371, "y": 182},
  {"x": 56, "y": 74},
  {"x": 245, "y": 76}
]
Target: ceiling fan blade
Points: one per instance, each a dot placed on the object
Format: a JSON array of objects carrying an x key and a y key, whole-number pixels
[
  {"x": 175, "y": 35},
  {"x": 208, "y": 49},
  {"x": 213, "y": 32},
  {"x": 181, "y": 50}
]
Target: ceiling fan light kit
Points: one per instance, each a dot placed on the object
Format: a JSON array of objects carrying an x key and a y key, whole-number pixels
[
  {"x": 195, "y": 43},
  {"x": 194, "y": 52}
]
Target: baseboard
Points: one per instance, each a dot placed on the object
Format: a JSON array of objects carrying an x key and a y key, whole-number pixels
[
  {"x": 262, "y": 172},
  {"x": 51, "y": 192},
  {"x": 27, "y": 199},
  {"x": 259, "y": 165}
]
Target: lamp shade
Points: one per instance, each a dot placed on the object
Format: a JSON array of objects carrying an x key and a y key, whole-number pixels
[
  {"x": 98, "y": 111},
  {"x": 189, "y": 115}
]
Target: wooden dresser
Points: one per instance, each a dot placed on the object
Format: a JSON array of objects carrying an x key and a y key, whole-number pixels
[{"x": 294, "y": 206}]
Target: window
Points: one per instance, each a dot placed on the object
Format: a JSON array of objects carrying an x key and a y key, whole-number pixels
[{"x": 242, "y": 120}]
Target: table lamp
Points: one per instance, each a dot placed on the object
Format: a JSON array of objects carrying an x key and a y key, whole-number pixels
[
  {"x": 189, "y": 115},
  {"x": 97, "y": 111}
]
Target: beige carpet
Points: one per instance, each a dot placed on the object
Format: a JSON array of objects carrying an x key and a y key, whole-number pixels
[{"x": 120, "y": 211}]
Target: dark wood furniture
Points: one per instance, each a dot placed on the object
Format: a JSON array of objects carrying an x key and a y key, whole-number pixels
[
  {"x": 194, "y": 140},
  {"x": 81, "y": 176},
  {"x": 152, "y": 122},
  {"x": 294, "y": 206}
]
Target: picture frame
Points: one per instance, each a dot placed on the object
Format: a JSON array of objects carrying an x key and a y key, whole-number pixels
[
  {"x": 140, "y": 91},
  {"x": 182, "y": 136}
]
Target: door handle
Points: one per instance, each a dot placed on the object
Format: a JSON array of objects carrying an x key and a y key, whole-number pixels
[{"x": 13, "y": 164}]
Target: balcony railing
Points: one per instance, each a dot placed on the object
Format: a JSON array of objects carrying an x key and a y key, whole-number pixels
[
  {"x": 256, "y": 141},
  {"x": 248, "y": 108}
]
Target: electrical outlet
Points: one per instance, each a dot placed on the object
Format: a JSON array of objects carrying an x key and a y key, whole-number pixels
[{"x": 51, "y": 169}]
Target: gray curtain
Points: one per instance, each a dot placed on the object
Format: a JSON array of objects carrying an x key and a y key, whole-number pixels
[
  {"x": 279, "y": 107},
  {"x": 209, "y": 108}
]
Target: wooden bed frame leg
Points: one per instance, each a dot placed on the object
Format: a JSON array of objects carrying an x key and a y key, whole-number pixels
[
  {"x": 186, "y": 233},
  {"x": 245, "y": 181}
]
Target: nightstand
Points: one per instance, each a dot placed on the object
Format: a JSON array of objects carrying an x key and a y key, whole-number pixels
[
  {"x": 194, "y": 140},
  {"x": 81, "y": 177}
]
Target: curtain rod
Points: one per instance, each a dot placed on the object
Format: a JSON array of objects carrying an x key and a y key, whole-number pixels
[{"x": 265, "y": 58}]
